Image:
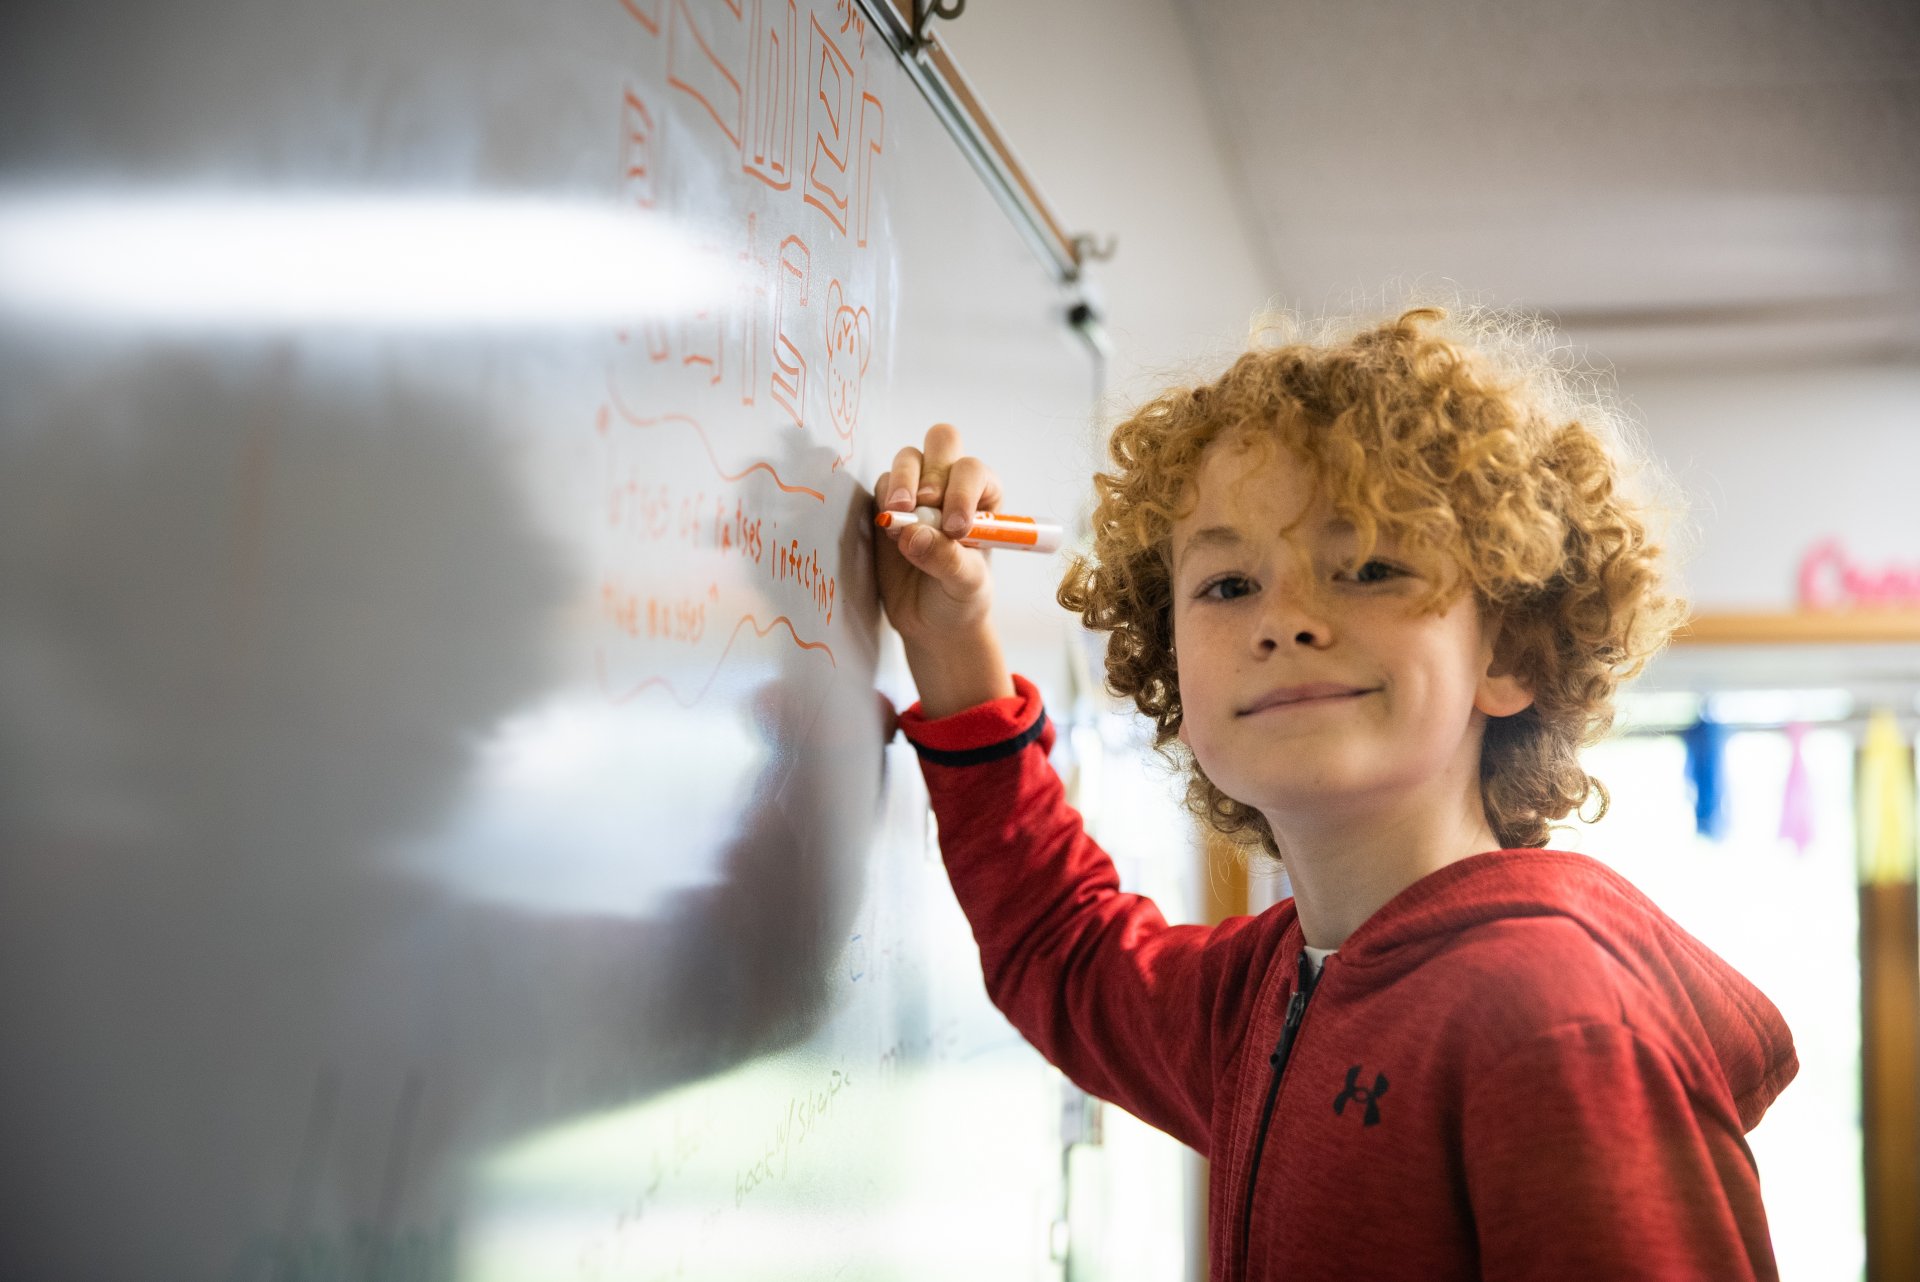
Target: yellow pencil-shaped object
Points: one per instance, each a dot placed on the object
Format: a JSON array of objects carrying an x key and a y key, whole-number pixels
[{"x": 990, "y": 529}]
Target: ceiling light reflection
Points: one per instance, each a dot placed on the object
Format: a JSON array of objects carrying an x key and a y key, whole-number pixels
[{"x": 236, "y": 260}]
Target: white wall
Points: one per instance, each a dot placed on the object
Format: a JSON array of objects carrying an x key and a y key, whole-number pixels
[
  {"x": 1776, "y": 460},
  {"x": 1105, "y": 106}
]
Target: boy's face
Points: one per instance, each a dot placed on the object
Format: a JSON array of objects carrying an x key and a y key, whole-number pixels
[{"x": 1310, "y": 689}]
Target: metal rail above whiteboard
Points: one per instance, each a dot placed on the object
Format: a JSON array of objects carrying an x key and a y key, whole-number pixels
[{"x": 932, "y": 69}]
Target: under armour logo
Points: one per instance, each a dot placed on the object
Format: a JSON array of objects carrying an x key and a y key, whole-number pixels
[{"x": 1355, "y": 1091}]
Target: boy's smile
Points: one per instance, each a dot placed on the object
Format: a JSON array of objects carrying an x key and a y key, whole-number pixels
[
  {"x": 1313, "y": 694},
  {"x": 1311, "y": 686}
]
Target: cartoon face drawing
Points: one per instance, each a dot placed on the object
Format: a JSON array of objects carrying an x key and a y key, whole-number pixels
[{"x": 849, "y": 345}]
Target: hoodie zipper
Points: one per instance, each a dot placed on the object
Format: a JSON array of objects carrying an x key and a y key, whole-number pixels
[{"x": 1296, "y": 1009}]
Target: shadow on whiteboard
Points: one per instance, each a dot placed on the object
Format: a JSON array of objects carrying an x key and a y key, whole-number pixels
[{"x": 267, "y": 628}]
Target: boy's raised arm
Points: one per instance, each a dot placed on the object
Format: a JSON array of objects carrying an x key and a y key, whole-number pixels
[
  {"x": 1134, "y": 1010},
  {"x": 964, "y": 671},
  {"x": 1093, "y": 977},
  {"x": 937, "y": 593}
]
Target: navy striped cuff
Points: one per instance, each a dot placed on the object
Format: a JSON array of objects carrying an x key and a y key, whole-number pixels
[{"x": 992, "y": 752}]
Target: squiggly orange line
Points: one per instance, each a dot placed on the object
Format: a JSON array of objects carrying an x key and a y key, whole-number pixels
[
  {"x": 600, "y": 663},
  {"x": 620, "y": 407}
]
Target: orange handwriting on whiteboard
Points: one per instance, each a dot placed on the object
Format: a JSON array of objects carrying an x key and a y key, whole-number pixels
[
  {"x": 696, "y": 70},
  {"x": 652, "y": 617},
  {"x": 703, "y": 333},
  {"x": 830, "y": 119},
  {"x": 873, "y": 128},
  {"x": 645, "y": 12},
  {"x": 736, "y": 530},
  {"x": 767, "y": 152},
  {"x": 636, "y": 150},
  {"x": 802, "y": 566},
  {"x": 685, "y": 700},
  {"x": 645, "y": 511},
  {"x": 687, "y": 420},
  {"x": 753, "y": 301},
  {"x": 789, "y": 366}
]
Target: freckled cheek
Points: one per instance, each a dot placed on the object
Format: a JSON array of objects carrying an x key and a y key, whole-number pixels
[
  {"x": 1199, "y": 737},
  {"x": 1197, "y": 711}
]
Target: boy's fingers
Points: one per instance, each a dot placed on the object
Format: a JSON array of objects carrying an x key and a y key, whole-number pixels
[
  {"x": 941, "y": 449},
  {"x": 881, "y": 489},
  {"x": 942, "y": 559},
  {"x": 887, "y": 491},
  {"x": 968, "y": 483},
  {"x": 990, "y": 496},
  {"x": 901, "y": 481}
]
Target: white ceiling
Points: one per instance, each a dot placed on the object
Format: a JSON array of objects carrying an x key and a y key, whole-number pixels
[{"x": 1679, "y": 181}]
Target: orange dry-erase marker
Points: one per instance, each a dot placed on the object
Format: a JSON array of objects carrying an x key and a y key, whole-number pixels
[{"x": 990, "y": 529}]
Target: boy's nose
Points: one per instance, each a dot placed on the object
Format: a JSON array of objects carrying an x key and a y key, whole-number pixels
[
  {"x": 1291, "y": 623},
  {"x": 1309, "y": 637}
]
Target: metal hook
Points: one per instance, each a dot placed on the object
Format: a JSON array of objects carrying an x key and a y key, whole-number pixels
[
  {"x": 924, "y": 11},
  {"x": 1087, "y": 250}
]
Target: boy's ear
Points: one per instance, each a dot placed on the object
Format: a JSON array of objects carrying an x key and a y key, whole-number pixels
[
  {"x": 1502, "y": 695},
  {"x": 1501, "y": 692}
]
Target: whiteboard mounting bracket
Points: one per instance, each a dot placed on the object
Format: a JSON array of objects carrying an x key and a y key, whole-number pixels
[
  {"x": 906, "y": 24},
  {"x": 924, "y": 12},
  {"x": 1088, "y": 250}
]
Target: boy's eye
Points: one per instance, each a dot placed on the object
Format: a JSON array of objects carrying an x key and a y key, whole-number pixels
[
  {"x": 1375, "y": 572},
  {"x": 1227, "y": 587}
]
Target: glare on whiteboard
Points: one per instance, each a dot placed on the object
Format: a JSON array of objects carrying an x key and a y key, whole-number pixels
[{"x": 246, "y": 261}]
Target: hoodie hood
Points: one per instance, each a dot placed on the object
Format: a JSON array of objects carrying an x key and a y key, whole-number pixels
[{"x": 1725, "y": 1032}]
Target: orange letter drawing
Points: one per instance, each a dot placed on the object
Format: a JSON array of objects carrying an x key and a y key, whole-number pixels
[
  {"x": 830, "y": 120},
  {"x": 695, "y": 69},
  {"x": 636, "y": 151},
  {"x": 703, "y": 334},
  {"x": 873, "y": 128},
  {"x": 789, "y": 366},
  {"x": 753, "y": 307},
  {"x": 645, "y": 12},
  {"x": 768, "y": 151},
  {"x": 659, "y": 344}
]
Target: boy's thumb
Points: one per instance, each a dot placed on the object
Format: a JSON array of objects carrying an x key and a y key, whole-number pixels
[{"x": 936, "y": 555}]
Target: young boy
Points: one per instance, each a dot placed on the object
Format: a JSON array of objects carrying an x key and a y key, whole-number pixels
[{"x": 1380, "y": 589}]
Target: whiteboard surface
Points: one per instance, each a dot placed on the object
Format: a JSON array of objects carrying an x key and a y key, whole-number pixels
[{"x": 446, "y": 823}]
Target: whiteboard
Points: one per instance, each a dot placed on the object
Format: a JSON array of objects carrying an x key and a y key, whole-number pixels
[{"x": 447, "y": 827}]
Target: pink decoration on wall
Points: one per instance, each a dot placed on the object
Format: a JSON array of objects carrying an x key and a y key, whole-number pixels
[
  {"x": 1830, "y": 579},
  {"x": 1796, "y": 809}
]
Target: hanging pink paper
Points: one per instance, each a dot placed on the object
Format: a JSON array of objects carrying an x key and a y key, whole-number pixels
[{"x": 1796, "y": 809}]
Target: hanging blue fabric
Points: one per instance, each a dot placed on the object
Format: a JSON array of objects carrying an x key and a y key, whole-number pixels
[{"x": 1706, "y": 741}]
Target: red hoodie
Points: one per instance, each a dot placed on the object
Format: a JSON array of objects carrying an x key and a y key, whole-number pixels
[{"x": 1517, "y": 1068}]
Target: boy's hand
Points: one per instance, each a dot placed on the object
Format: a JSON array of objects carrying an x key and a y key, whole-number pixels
[
  {"x": 936, "y": 592},
  {"x": 929, "y": 584}
]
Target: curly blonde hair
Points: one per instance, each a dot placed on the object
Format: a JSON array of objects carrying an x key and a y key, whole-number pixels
[{"x": 1481, "y": 448}]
